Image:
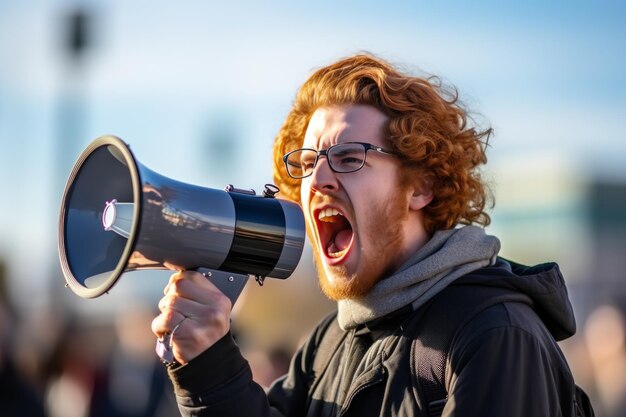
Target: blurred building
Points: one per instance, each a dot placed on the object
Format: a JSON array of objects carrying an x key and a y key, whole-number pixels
[
  {"x": 607, "y": 215},
  {"x": 548, "y": 209}
]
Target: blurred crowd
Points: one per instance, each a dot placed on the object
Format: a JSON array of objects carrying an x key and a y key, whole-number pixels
[
  {"x": 54, "y": 365},
  {"x": 58, "y": 365}
]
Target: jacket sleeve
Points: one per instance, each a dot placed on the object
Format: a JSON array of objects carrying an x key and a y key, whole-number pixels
[
  {"x": 508, "y": 369},
  {"x": 219, "y": 383}
]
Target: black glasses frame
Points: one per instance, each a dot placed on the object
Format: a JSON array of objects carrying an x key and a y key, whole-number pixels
[{"x": 324, "y": 152}]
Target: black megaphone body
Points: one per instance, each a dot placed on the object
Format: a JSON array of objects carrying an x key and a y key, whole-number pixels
[{"x": 119, "y": 216}]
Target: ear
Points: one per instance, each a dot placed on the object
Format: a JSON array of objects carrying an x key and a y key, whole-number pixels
[{"x": 422, "y": 195}]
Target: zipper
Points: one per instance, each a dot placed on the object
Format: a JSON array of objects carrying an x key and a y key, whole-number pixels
[{"x": 379, "y": 378}]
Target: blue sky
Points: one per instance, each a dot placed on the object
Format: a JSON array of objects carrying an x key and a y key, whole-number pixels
[{"x": 172, "y": 79}]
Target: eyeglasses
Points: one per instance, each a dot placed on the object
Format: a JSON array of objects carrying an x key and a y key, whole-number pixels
[{"x": 342, "y": 158}]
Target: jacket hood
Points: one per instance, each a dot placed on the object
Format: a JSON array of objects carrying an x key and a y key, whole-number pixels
[{"x": 543, "y": 284}]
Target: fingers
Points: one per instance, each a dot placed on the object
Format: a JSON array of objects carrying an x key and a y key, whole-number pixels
[
  {"x": 189, "y": 277},
  {"x": 202, "y": 311},
  {"x": 191, "y": 293}
]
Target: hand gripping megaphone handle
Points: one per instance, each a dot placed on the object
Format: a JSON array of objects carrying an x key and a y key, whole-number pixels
[{"x": 228, "y": 283}]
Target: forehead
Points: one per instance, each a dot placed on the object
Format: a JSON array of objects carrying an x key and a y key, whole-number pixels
[{"x": 338, "y": 124}]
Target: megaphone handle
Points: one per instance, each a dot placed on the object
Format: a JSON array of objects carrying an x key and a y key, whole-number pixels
[{"x": 227, "y": 282}]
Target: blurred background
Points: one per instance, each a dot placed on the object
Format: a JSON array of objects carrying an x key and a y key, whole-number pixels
[{"x": 199, "y": 90}]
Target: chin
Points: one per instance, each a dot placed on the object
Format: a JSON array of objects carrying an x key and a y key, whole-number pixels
[{"x": 339, "y": 284}]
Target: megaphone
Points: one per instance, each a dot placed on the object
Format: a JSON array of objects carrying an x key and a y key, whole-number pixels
[{"x": 119, "y": 216}]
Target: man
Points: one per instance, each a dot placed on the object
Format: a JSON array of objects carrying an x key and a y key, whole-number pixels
[{"x": 385, "y": 166}]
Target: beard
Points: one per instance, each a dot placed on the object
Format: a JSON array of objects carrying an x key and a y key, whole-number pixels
[{"x": 383, "y": 233}]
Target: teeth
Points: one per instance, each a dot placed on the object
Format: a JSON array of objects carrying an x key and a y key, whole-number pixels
[
  {"x": 337, "y": 254},
  {"x": 326, "y": 215}
]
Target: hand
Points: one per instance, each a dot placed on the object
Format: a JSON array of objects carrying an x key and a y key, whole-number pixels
[{"x": 201, "y": 309}]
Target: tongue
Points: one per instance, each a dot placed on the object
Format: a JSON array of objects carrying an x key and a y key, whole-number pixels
[{"x": 342, "y": 240}]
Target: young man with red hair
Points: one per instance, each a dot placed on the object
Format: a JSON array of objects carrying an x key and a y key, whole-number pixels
[{"x": 385, "y": 166}]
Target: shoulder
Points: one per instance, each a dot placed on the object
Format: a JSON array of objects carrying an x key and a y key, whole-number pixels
[
  {"x": 508, "y": 338},
  {"x": 474, "y": 331},
  {"x": 465, "y": 318},
  {"x": 476, "y": 312},
  {"x": 513, "y": 321}
]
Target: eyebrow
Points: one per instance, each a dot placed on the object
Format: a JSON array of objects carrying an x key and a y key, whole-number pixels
[{"x": 344, "y": 152}]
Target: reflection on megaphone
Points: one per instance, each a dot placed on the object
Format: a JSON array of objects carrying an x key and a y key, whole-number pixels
[{"x": 118, "y": 216}]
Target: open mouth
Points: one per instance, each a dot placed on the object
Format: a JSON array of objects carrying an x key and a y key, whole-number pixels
[{"x": 335, "y": 232}]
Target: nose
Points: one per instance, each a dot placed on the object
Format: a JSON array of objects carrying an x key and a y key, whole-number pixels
[{"x": 323, "y": 179}]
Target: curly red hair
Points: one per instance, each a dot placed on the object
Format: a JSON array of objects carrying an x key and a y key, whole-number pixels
[{"x": 427, "y": 128}]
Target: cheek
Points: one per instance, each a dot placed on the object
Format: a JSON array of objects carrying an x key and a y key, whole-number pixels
[{"x": 377, "y": 211}]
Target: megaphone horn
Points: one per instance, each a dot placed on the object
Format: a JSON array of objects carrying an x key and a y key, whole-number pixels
[{"x": 119, "y": 216}]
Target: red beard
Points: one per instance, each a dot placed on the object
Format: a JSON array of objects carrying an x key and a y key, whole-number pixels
[{"x": 381, "y": 228}]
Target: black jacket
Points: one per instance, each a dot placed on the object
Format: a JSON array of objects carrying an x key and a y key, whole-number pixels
[{"x": 504, "y": 362}]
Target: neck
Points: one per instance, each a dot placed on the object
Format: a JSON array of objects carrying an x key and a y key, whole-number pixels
[{"x": 415, "y": 238}]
